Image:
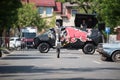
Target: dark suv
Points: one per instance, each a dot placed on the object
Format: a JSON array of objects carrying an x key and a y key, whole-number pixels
[{"x": 72, "y": 37}]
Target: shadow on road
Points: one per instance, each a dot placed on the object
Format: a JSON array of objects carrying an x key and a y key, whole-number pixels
[
  {"x": 19, "y": 58},
  {"x": 77, "y": 79},
  {"x": 33, "y": 69}
]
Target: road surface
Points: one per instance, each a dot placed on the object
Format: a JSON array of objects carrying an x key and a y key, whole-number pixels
[{"x": 72, "y": 65}]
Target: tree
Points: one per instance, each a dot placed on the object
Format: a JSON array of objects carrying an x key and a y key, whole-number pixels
[
  {"x": 8, "y": 9},
  {"x": 28, "y": 16},
  {"x": 107, "y": 10},
  {"x": 83, "y": 4},
  {"x": 110, "y": 12}
]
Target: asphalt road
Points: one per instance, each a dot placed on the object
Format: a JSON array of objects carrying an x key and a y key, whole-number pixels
[{"x": 72, "y": 65}]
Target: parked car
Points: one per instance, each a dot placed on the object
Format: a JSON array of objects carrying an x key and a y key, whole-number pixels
[
  {"x": 15, "y": 42},
  {"x": 109, "y": 51}
]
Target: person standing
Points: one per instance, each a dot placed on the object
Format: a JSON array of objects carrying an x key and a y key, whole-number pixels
[{"x": 57, "y": 40}]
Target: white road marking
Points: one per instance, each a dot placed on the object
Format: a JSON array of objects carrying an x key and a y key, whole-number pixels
[{"x": 97, "y": 62}]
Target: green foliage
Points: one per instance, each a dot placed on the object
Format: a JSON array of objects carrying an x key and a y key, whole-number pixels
[
  {"x": 107, "y": 10},
  {"x": 28, "y": 16},
  {"x": 8, "y": 10},
  {"x": 111, "y": 12},
  {"x": 39, "y": 22},
  {"x": 60, "y": 1},
  {"x": 52, "y": 22}
]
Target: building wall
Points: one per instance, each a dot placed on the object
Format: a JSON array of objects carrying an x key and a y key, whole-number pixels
[
  {"x": 58, "y": 16},
  {"x": 118, "y": 36},
  {"x": 118, "y": 33},
  {"x": 68, "y": 22}
]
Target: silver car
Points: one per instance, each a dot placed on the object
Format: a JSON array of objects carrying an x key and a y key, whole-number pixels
[{"x": 109, "y": 51}]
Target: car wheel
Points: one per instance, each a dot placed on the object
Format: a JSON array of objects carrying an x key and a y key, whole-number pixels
[
  {"x": 116, "y": 56},
  {"x": 44, "y": 47},
  {"x": 89, "y": 49}
]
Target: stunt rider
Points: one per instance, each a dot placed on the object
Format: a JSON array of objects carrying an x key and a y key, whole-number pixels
[{"x": 57, "y": 41}]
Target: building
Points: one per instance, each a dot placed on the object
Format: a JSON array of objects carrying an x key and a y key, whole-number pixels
[
  {"x": 68, "y": 13},
  {"x": 117, "y": 29},
  {"x": 47, "y": 9}
]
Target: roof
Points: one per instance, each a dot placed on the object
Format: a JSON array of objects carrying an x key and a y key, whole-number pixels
[
  {"x": 58, "y": 7},
  {"x": 45, "y": 3}
]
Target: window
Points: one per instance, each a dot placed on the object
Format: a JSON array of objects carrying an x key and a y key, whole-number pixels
[
  {"x": 40, "y": 10},
  {"x": 18, "y": 39},
  {"x": 48, "y": 11},
  {"x": 28, "y": 35}
]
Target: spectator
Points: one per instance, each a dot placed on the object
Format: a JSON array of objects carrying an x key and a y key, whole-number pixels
[{"x": 83, "y": 25}]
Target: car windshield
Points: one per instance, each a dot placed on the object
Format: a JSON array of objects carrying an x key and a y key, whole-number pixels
[
  {"x": 17, "y": 39},
  {"x": 29, "y": 35}
]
